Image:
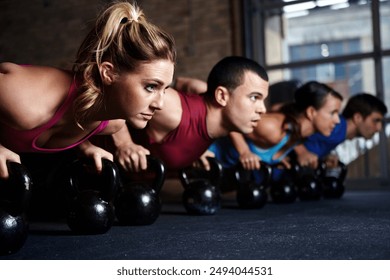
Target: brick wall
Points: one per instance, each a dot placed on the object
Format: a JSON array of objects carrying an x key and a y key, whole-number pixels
[{"x": 49, "y": 32}]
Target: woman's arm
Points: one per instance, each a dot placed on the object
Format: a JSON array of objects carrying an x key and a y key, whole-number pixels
[{"x": 248, "y": 159}]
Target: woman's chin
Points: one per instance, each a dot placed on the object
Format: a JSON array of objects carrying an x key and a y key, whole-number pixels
[{"x": 138, "y": 124}]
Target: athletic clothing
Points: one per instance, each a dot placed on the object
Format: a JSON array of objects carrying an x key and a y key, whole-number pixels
[
  {"x": 227, "y": 154},
  {"x": 185, "y": 144},
  {"x": 24, "y": 141},
  {"x": 322, "y": 145}
]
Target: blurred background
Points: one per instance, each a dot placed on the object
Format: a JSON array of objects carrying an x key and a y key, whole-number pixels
[{"x": 345, "y": 44}]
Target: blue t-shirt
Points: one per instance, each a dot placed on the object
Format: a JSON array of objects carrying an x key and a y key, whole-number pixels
[{"x": 322, "y": 145}]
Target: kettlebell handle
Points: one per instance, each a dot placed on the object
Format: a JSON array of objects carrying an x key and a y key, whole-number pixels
[
  {"x": 299, "y": 170},
  {"x": 246, "y": 176},
  {"x": 214, "y": 175},
  {"x": 110, "y": 172},
  {"x": 15, "y": 192},
  {"x": 341, "y": 165},
  {"x": 156, "y": 165}
]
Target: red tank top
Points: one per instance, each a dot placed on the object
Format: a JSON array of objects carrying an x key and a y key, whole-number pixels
[
  {"x": 187, "y": 142},
  {"x": 24, "y": 141}
]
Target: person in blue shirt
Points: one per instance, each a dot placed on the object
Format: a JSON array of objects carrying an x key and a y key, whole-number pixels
[{"x": 362, "y": 117}]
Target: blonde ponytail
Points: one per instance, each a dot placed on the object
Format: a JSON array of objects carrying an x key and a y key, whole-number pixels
[{"x": 124, "y": 37}]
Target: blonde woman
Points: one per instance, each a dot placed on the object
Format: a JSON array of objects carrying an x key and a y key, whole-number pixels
[{"x": 120, "y": 75}]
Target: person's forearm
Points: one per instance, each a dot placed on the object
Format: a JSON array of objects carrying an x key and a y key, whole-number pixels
[
  {"x": 122, "y": 136},
  {"x": 239, "y": 142}
]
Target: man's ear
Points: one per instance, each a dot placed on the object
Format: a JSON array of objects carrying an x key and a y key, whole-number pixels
[
  {"x": 357, "y": 118},
  {"x": 107, "y": 73},
  {"x": 221, "y": 95}
]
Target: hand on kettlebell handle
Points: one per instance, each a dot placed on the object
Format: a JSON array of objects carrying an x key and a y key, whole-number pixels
[
  {"x": 252, "y": 184},
  {"x": 138, "y": 201}
]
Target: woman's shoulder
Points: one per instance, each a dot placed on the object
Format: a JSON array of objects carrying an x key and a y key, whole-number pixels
[
  {"x": 270, "y": 128},
  {"x": 13, "y": 72},
  {"x": 7, "y": 67},
  {"x": 32, "y": 93}
]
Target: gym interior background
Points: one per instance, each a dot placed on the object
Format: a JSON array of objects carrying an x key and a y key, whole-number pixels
[
  {"x": 302, "y": 40},
  {"x": 294, "y": 40}
]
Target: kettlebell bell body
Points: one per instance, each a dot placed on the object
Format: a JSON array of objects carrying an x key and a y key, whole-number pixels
[
  {"x": 90, "y": 207},
  {"x": 282, "y": 186},
  {"x": 15, "y": 195},
  {"x": 333, "y": 181},
  {"x": 201, "y": 198},
  {"x": 138, "y": 200},
  {"x": 307, "y": 182},
  {"x": 251, "y": 191},
  {"x": 201, "y": 195},
  {"x": 13, "y": 234}
]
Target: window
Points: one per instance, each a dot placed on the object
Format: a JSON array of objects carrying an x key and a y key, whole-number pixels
[{"x": 332, "y": 41}]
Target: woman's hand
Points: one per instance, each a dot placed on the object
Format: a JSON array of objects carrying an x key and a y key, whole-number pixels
[
  {"x": 305, "y": 157},
  {"x": 249, "y": 160},
  {"x": 97, "y": 154},
  {"x": 132, "y": 157},
  {"x": 6, "y": 155}
]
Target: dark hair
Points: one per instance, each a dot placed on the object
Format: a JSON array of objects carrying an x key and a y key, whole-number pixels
[
  {"x": 282, "y": 92},
  {"x": 313, "y": 93},
  {"x": 229, "y": 73},
  {"x": 309, "y": 94},
  {"x": 365, "y": 104}
]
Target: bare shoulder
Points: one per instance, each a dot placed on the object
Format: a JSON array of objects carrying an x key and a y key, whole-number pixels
[
  {"x": 7, "y": 67},
  {"x": 31, "y": 94},
  {"x": 269, "y": 129}
]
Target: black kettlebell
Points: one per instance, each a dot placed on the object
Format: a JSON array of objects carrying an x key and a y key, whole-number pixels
[
  {"x": 91, "y": 208},
  {"x": 333, "y": 181},
  {"x": 251, "y": 191},
  {"x": 281, "y": 185},
  {"x": 201, "y": 194},
  {"x": 15, "y": 195},
  {"x": 307, "y": 182},
  {"x": 138, "y": 201}
]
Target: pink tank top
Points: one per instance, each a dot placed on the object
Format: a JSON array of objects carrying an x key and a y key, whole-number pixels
[{"x": 24, "y": 141}]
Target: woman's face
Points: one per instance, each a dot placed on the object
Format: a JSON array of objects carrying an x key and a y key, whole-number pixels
[
  {"x": 137, "y": 95},
  {"x": 326, "y": 118}
]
